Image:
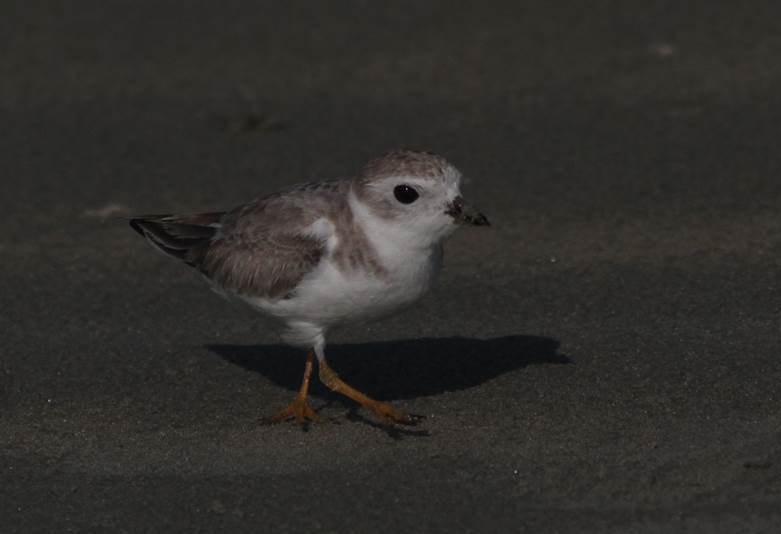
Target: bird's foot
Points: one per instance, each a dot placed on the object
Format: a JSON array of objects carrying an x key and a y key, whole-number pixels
[
  {"x": 390, "y": 414},
  {"x": 299, "y": 409},
  {"x": 385, "y": 412}
]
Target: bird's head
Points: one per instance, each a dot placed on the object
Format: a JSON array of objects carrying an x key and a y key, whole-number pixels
[{"x": 416, "y": 193}]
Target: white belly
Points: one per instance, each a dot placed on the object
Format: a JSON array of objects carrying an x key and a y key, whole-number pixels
[{"x": 331, "y": 297}]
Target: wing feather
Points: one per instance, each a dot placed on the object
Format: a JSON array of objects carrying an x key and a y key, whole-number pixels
[
  {"x": 265, "y": 248},
  {"x": 260, "y": 249}
]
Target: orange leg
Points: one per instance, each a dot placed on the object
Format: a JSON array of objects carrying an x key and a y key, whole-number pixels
[
  {"x": 299, "y": 408},
  {"x": 385, "y": 412}
]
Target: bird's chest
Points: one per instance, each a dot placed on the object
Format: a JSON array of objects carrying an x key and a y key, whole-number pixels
[
  {"x": 361, "y": 294},
  {"x": 407, "y": 277}
]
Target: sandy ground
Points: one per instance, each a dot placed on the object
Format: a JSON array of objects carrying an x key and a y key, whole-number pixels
[{"x": 604, "y": 358}]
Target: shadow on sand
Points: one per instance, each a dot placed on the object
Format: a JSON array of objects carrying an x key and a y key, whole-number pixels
[{"x": 402, "y": 369}]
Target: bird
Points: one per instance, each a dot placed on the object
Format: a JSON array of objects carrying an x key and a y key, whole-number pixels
[{"x": 322, "y": 255}]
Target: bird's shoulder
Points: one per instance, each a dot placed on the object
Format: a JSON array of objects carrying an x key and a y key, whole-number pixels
[{"x": 287, "y": 212}]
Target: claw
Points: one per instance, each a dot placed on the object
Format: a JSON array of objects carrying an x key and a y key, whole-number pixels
[
  {"x": 389, "y": 414},
  {"x": 298, "y": 409}
]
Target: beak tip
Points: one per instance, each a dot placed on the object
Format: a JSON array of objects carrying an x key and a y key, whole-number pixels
[{"x": 462, "y": 213}]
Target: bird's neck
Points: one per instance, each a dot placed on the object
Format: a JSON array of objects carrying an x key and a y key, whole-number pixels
[{"x": 394, "y": 243}]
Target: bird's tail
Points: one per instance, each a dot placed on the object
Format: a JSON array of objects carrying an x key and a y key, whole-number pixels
[{"x": 186, "y": 237}]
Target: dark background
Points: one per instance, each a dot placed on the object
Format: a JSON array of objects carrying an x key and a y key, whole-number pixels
[{"x": 605, "y": 357}]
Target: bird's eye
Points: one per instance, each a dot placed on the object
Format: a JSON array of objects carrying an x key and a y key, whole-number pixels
[{"x": 405, "y": 194}]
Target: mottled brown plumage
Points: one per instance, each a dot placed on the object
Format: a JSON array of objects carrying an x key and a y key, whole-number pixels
[{"x": 261, "y": 249}]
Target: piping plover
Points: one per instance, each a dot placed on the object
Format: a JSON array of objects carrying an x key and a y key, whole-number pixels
[{"x": 321, "y": 255}]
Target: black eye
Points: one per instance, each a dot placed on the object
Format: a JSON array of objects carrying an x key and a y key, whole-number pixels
[{"x": 405, "y": 194}]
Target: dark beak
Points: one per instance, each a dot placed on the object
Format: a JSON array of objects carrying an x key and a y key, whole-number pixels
[{"x": 463, "y": 213}]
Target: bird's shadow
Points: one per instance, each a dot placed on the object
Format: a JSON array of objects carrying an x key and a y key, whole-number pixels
[{"x": 402, "y": 369}]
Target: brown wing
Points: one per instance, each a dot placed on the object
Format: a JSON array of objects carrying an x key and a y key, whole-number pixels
[
  {"x": 263, "y": 266},
  {"x": 262, "y": 248}
]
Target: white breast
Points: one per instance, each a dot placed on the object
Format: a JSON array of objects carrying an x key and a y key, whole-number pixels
[{"x": 332, "y": 295}]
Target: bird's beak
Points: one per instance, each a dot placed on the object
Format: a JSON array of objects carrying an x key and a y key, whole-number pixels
[{"x": 463, "y": 213}]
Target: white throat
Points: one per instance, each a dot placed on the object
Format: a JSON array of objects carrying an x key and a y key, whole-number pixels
[{"x": 394, "y": 243}]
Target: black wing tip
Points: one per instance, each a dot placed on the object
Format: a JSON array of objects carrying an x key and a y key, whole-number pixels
[
  {"x": 182, "y": 237},
  {"x": 138, "y": 222},
  {"x": 135, "y": 224}
]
